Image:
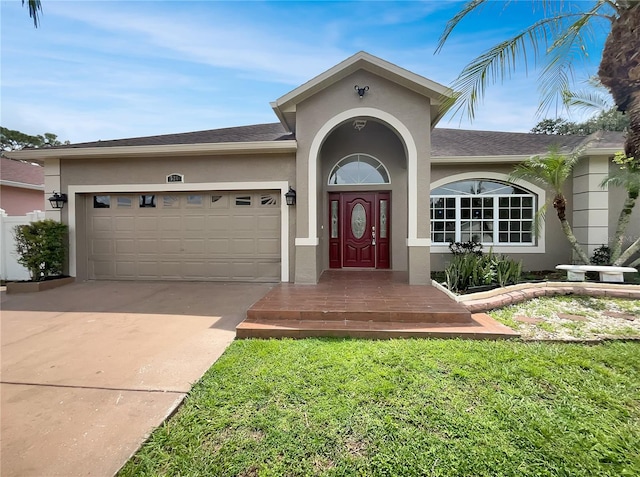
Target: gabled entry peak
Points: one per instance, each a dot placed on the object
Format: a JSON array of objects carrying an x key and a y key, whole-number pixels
[{"x": 285, "y": 106}]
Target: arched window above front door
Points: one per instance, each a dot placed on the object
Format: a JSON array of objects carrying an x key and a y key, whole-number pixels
[{"x": 359, "y": 169}]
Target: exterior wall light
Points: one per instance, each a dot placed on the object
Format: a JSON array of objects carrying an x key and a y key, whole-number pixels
[
  {"x": 58, "y": 200},
  {"x": 361, "y": 91},
  {"x": 359, "y": 124},
  {"x": 290, "y": 197}
]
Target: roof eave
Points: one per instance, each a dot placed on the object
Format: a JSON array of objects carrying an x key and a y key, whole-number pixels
[
  {"x": 223, "y": 148},
  {"x": 513, "y": 158},
  {"x": 363, "y": 60},
  {"x": 281, "y": 117},
  {"x": 22, "y": 185},
  {"x": 506, "y": 159}
]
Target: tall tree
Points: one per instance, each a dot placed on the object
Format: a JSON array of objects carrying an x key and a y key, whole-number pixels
[
  {"x": 12, "y": 140},
  {"x": 620, "y": 68},
  {"x": 35, "y": 9},
  {"x": 609, "y": 120},
  {"x": 562, "y": 33}
]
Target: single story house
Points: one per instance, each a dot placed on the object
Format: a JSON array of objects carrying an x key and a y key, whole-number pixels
[
  {"x": 21, "y": 187},
  {"x": 377, "y": 186}
]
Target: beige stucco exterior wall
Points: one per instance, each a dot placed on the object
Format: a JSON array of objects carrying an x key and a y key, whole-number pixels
[
  {"x": 102, "y": 175},
  {"x": 556, "y": 250},
  {"x": 412, "y": 111}
]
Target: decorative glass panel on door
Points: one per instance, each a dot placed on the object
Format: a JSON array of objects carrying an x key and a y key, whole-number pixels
[
  {"x": 334, "y": 219},
  {"x": 383, "y": 218},
  {"x": 358, "y": 221}
]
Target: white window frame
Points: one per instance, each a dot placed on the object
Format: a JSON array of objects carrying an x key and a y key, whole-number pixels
[
  {"x": 539, "y": 198},
  {"x": 341, "y": 163}
]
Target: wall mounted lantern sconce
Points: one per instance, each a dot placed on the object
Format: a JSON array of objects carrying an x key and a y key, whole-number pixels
[
  {"x": 58, "y": 200},
  {"x": 290, "y": 197},
  {"x": 361, "y": 91}
]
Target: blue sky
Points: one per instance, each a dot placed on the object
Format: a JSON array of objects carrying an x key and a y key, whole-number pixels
[{"x": 113, "y": 69}]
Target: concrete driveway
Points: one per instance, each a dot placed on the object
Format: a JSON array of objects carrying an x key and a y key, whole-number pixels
[{"x": 90, "y": 369}]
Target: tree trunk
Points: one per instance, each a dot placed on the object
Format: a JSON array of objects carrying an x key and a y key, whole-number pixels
[
  {"x": 560, "y": 204},
  {"x": 628, "y": 253},
  {"x": 623, "y": 222},
  {"x": 620, "y": 70},
  {"x": 566, "y": 228}
]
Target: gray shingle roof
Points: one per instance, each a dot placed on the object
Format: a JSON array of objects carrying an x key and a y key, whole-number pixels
[
  {"x": 460, "y": 142},
  {"x": 256, "y": 132},
  {"x": 444, "y": 142}
]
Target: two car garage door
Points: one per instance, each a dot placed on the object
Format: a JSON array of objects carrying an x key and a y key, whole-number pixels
[{"x": 215, "y": 236}]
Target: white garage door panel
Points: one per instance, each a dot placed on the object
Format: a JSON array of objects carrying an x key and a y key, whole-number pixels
[{"x": 216, "y": 236}]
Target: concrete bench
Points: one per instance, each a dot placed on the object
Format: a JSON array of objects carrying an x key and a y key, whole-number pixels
[{"x": 575, "y": 273}]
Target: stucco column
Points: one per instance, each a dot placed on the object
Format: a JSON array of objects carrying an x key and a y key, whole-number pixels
[
  {"x": 591, "y": 203},
  {"x": 51, "y": 184},
  {"x": 306, "y": 244},
  {"x": 419, "y": 247},
  {"x": 419, "y": 239}
]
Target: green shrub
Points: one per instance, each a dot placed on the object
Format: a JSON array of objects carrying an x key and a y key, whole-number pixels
[
  {"x": 471, "y": 269},
  {"x": 41, "y": 246}
]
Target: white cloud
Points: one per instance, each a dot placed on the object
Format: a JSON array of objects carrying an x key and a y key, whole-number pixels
[{"x": 121, "y": 69}]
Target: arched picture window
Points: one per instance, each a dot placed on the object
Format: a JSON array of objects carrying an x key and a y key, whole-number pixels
[
  {"x": 485, "y": 211},
  {"x": 359, "y": 169}
]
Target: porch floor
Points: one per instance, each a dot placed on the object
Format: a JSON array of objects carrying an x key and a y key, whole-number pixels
[{"x": 364, "y": 304}]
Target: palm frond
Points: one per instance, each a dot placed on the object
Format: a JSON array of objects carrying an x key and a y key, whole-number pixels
[
  {"x": 498, "y": 63},
  {"x": 567, "y": 49},
  {"x": 35, "y": 8},
  {"x": 627, "y": 177},
  {"x": 588, "y": 100},
  {"x": 451, "y": 24},
  {"x": 539, "y": 219},
  {"x": 559, "y": 37},
  {"x": 550, "y": 171}
]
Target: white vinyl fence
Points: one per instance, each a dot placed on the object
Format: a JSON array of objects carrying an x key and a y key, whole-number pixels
[{"x": 10, "y": 269}]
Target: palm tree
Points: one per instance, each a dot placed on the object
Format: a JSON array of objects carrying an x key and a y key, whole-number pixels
[
  {"x": 551, "y": 172},
  {"x": 560, "y": 37}
]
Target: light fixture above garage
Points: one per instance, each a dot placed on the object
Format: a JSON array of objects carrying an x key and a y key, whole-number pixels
[
  {"x": 58, "y": 200},
  {"x": 290, "y": 197}
]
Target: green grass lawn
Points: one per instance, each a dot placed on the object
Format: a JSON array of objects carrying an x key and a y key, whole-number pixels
[{"x": 406, "y": 407}]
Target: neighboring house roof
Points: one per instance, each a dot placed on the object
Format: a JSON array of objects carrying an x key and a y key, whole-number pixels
[{"x": 21, "y": 174}]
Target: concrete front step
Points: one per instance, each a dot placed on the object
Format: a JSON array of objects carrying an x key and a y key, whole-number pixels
[{"x": 480, "y": 326}]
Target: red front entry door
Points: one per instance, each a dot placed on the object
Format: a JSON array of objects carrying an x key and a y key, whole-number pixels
[{"x": 359, "y": 230}]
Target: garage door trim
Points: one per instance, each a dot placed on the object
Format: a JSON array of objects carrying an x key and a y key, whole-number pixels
[{"x": 282, "y": 186}]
